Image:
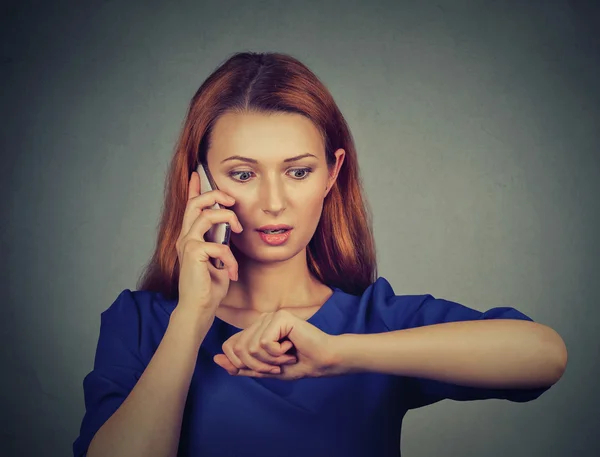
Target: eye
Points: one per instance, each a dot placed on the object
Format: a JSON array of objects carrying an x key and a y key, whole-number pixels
[
  {"x": 236, "y": 173},
  {"x": 306, "y": 170},
  {"x": 244, "y": 175}
]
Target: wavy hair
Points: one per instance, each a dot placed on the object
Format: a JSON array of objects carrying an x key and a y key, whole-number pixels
[{"x": 341, "y": 252}]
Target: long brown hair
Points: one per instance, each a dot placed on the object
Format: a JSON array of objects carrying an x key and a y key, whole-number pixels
[{"x": 342, "y": 251}]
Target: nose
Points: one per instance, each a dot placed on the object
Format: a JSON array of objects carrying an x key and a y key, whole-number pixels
[{"x": 273, "y": 198}]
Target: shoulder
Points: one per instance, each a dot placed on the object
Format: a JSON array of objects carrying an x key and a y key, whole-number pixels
[
  {"x": 371, "y": 311},
  {"x": 381, "y": 309},
  {"x": 136, "y": 319},
  {"x": 138, "y": 305}
]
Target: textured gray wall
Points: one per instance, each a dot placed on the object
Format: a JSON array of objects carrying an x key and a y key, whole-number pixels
[{"x": 477, "y": 130}]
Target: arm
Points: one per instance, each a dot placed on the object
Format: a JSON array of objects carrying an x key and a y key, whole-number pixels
[
  {"x": 499, "y": 353},
  {"x": 148, "y": 423}
]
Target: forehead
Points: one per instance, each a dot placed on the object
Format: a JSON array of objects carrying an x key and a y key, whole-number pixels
[{"x": 259, "y": 135}]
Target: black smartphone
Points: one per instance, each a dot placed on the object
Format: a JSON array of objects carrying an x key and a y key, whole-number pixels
[{"x": 218, "y": 233}]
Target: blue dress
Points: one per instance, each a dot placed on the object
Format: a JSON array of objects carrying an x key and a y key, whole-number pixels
[{"x": 356, "y": 415}]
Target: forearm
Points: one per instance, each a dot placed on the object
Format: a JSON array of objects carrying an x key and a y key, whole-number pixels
[
  {"x": 495, "y": 353},
  {"x": 148, "y": 423}
]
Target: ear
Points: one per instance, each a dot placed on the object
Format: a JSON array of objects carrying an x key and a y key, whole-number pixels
[{"x": 340, "y": 154}]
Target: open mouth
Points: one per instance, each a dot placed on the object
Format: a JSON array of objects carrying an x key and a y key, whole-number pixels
[{"x": 275, "y": 237}]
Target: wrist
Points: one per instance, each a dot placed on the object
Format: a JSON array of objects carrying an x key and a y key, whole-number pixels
[
  {"x": 193, "y": 322},
  {"x": 344, "y": 354}
]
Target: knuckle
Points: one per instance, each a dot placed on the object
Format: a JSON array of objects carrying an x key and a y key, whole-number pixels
[
  {"x": 194, "y": 205},
  {"x": 205, "y": 196},
  {"x": 282, "y": 313},
  {"x": 185, "y": 246},
  {"x": 254, "y": 350},
  {"x": 237, "y": 349},
  {"x": 208, "y": 213},
  {"x": 225, "y": 251},
  {"x": 264, "y": 343},
  {"x": 193, "y": 246},
  {"x": 253, "y": 367}
]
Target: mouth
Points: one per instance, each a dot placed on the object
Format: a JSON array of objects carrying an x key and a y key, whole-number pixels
[
  {"x": 275, "y": 235},
  {"x": 274, "y": 229}
]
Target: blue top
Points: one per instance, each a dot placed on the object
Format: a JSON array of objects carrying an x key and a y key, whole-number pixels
[{"x": 350, "y": 415}]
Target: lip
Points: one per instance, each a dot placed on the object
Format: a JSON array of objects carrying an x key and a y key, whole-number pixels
[
  {"x": 277, "y": 239},
  {"x": 274, "y": 227}
]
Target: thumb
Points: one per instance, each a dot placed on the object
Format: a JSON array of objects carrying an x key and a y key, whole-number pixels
[{"x": 286, "y": 346}]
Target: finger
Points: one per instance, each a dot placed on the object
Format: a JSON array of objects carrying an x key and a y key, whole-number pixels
[
  {"x": 197, "y": 202},
  {"x": 210, "y": 217},
  {"x": 286, "y": 346},
  {"x": 202, "y": 251},
  {"x": 288, "y": 373},
  {"x": 275, "y": 352},
  {"x": 240, "y": 349},
  {"x": 278, "y": 349},
  {"x": 278, "y": 329},
  {"x": 258, "y": 345},
  {"x": 257, "y": 374},
  {"x": 193, "y": 186},
  {"x": 223, "y": 361},
  {"x": 233, "y": 358},
  {"x": 250, "y": 338},
  {"x": 279, "y": 360}
]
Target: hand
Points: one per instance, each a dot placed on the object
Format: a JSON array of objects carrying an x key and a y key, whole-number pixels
[
  {"x": 259, "y": 351},
  {"x": 201, "y": 285}
]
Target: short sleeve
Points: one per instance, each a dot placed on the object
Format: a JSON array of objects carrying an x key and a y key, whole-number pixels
[
  {"x": 402, "y": 312},
  {"x": 117, "y": 367}
]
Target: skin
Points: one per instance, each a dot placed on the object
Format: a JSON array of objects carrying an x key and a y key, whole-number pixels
[
  {"x": 496, "y": 353},
  {"x": 276, "y": 293},
  {"x": 271, "y": 192}
]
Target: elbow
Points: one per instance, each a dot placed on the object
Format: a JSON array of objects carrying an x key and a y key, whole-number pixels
[
  {"x": 559, "y": 355},
  {"x": 548, "y": 356},
  {"x": 563, "y": 358}
]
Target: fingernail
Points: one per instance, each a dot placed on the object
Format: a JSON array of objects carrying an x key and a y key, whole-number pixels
[{"x": 275, "y": 370}]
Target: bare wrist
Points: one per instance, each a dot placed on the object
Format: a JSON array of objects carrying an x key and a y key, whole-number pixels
[
  {"x": 196, "y": 322},
  {"x": 343, "y": 360}
]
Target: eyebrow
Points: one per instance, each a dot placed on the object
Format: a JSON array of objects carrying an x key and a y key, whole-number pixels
[{"x": 249, "y": 160}]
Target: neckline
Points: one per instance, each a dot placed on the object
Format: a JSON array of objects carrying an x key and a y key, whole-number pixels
[{"x": 318, "y": 315}]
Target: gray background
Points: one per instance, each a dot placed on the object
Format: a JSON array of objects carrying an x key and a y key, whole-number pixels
[{"x": 476, "y": 125}]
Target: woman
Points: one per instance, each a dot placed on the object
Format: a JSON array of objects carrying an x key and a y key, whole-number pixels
[{"x": 296, "y": 347}]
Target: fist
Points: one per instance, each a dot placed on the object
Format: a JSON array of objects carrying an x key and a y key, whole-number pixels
[{"x": 279, "y": 345}]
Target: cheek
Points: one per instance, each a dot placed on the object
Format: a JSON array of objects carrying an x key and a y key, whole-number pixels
[
  {"x": 308, "y": 208},
  {"x": 232, "y": 191},
  {"x": 243, "y": 201}
]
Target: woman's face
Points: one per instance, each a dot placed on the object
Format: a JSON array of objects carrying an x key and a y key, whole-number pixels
[{"x": 274, "y": 166}]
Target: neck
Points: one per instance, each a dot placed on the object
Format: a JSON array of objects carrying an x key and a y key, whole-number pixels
[{"x": 267, "y": 287}]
